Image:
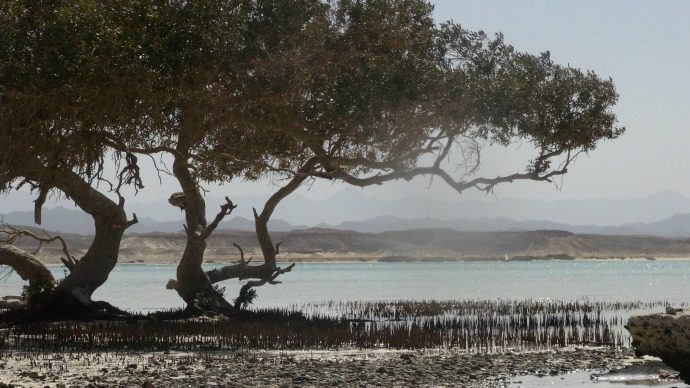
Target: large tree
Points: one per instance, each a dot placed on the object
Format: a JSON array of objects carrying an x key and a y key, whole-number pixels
[
  {"x": 378, "y": 92},
  {"x": 359, "y": 91},
  {"x": 372, "y": 91},
  {"x": 65, "y": 90}
]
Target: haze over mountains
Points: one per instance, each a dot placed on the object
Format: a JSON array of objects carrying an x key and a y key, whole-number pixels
[{"x": 665, "y": 214}]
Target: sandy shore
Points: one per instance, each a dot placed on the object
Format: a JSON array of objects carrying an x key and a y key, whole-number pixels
[
  {"x": 298, "y": 368},
  {"x": 373, "y": 259}
]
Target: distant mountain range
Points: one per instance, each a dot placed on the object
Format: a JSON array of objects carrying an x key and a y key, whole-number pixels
[
  {"x": 357, "y": 205},
  {"x": 75, "y": 221},
  {"x": 676, "y": 226},
  {"x": 317, "y": 244}
]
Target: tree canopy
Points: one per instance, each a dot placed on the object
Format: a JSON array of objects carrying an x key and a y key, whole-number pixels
[{"x": 361, "y": 91}]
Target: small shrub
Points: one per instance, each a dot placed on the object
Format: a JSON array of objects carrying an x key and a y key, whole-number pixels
[
  {"x": 37, "y": 293},
  {"x": 246, "y": 297}
]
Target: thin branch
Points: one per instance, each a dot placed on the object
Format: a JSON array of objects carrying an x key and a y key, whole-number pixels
[
  {"x": 157, "y": 169},
  {"x": 133, "y": 221},
  {"x": 14, "y": 235},
  {"x": 130, "y": 174},
  {"x": 225, "y": 210},
  {"x": 116, "y": 144},
  {"x": 444, "y": 153},
  {"x": 242, "y": 262},
  {"x": 38, "y": 203}
]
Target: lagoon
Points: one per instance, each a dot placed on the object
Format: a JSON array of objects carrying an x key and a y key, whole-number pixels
[{"x": 141, "y": 287}]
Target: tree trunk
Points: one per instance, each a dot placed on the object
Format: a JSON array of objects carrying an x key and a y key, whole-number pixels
[
  {"x": 269, "y": 270},
  {"x": 73, "y": 294},
  {"x": 192, "y": 284},
  {"x": 92, "y": 270}
]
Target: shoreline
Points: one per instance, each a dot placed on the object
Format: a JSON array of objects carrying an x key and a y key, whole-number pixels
[
  {"x": 432, "y": 367},
  {"x": 376, "y": 259},
  {"x": 383, "y": 260}
]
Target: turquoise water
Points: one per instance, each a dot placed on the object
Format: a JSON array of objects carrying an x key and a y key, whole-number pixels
[{"x": 142, "y": 287}]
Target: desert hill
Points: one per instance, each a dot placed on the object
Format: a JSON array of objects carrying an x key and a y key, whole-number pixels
[{"x": 424, "y": 244}]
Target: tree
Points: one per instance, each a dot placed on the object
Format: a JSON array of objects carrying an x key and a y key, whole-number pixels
[
  {"x": 62, "y": 97},
  {"x": 359, "y": 91},
  {"x": 80, "y": 80},
  {"x": 374, "y": 91}
]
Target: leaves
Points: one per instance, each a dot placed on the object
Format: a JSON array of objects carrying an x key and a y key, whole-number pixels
[{"x": 256, "y": 88}]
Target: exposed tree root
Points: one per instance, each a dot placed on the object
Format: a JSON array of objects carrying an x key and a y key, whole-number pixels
[{"x": 42, "y": 300}]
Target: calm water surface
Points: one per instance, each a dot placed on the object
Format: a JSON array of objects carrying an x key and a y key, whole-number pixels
[{"x": 142, "y": 287}]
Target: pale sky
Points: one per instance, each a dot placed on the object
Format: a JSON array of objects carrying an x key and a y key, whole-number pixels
[{"x": 643, "y": 45}]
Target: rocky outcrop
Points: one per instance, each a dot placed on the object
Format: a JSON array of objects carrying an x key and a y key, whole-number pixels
[{"x": 666, "y": 336}]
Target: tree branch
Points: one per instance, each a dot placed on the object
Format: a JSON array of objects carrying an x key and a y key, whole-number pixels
[
  {"x": 133, "y": 221},
  {"x": 242, "y": 262},
  {"x": 118, "y": 145},
  {"x": 225, "y": 210},
  {"x": 14, "y": 235},
  {"x": 38, "y": 203},
  {"x": 130, "y": 174},
  {"x": 25, "y": 264}
]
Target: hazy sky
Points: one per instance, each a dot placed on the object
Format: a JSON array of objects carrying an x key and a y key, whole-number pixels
[{"x": 643, "y": 45}]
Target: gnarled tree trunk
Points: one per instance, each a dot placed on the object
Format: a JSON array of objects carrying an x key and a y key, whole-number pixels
[
  {"x": 73, "y": 294},
  {"x": 192, "y": 284},
  {"x": 269, "y": 270}
]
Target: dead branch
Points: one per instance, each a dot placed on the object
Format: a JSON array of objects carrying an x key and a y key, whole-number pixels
[
  {"x": 225, "y": 210},
  {"x": 25, "y": 264},
  {"x": 264, "y": 273},
  {"x": 270, "y": 279},
  {"x": 133, "y": 221},
  {"x": 242, "y": 262},
  {"x": 130, "y": 174},
  {"x": 14, "y": 235}
]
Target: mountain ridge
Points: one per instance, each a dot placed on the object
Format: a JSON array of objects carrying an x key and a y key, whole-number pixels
[
  {"x": 323, "y": 245},
  {"x": 357, "y": 205},
  {"x": 75, "y": 221}
]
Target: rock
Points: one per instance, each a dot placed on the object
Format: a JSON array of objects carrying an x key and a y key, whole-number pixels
[
  {"x": 673, "y": 311},
  {"x": 666, "y": 336},
  {"x": 32, "y": 375}
]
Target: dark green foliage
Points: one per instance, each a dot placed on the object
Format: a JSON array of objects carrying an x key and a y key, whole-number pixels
[
  {"x": 245, "y": 298},
  {"x": 37, "y": 293},
  {"x": 379, "y": 84},
  {"x": 209, "y": 297}
]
